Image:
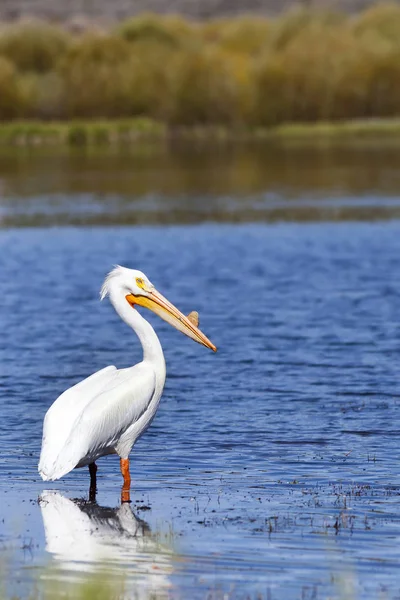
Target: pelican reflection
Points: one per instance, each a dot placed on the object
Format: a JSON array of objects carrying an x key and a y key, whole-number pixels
[{"x": 83, "y": 536}]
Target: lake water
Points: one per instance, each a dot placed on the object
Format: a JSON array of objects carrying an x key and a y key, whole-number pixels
[{"x": 271, "y": 469}]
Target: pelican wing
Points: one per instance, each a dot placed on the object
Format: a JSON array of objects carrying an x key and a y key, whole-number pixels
[
  {"x": 63, "y": 413},
  {"x": 104, "y": 413}
]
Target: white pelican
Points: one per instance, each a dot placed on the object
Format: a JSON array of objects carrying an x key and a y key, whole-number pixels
[{"x": 107, "y": 412}]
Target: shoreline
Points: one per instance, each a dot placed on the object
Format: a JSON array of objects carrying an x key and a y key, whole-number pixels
[{"x": 27, "y": 133}]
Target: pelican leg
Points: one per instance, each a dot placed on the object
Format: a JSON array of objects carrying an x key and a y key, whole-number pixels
[
  {"x": 126, "y": 488},
  {"x": 93, "y": 481}
]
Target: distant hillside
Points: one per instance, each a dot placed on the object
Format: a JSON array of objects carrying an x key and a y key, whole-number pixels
[{"x": 65, "y": 10}]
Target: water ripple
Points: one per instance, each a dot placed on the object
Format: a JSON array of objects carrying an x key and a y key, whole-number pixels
[{"x": 271, "y": 466}]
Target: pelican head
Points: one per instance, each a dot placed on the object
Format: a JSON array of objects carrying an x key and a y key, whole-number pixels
[{"x": 138, "y": 290}]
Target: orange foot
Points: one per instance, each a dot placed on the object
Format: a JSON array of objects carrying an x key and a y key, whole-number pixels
[{"x": 126, "y": 488}]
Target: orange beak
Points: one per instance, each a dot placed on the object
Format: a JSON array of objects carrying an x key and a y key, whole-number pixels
[{"x": 167, "y": 311}]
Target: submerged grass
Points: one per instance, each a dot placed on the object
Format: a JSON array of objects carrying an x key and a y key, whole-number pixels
[
  {"x": 80, "y": 133},
  {"x": 244, "y": 73},
  {"x": 131, "y": 131}
]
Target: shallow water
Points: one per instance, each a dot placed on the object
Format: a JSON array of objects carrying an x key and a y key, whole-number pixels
[
  {"x": 271, "y": 469},
  {"x": 194, "y": 183}
]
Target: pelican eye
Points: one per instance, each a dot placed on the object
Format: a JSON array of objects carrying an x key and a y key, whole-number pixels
[{"x": 140, "y": 282}]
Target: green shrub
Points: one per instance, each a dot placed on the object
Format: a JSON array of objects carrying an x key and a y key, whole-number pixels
[
  {"x": 103, "y": 76},
  {"x": 33, "y": 46},
  {"x": 11, "y": 97},
  {"x": 306, "y": 65},
  {"x": 298, "y": 21},
  {"x": 150, "y": 81},
  {"x": 245, "y": 35},
  {"x": 211, "y": 31},
  {"x": 94, "y": 77},
  {"x": 206, "y": 88},
  {"x": 381, "y": 19},
  {"x": 170, "y": 31},
  {"x": 303, "y": 82},
  {"x": 43, "y": 95},
  {"x": 383, "y": 91}
]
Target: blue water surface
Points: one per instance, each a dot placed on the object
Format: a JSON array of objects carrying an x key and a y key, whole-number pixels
[{"x": 271, "y": 469}]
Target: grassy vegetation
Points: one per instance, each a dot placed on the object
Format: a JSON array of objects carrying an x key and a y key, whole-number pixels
[
  {"x": 242, "y": 74},
  {"x": 117, "y": 132},
  {"x": 78, "y": 132}
]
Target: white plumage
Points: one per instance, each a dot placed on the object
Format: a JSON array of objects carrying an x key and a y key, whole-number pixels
[
  {"x": 103, "y": 420},
  {"x": 108, "y": 411}
]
